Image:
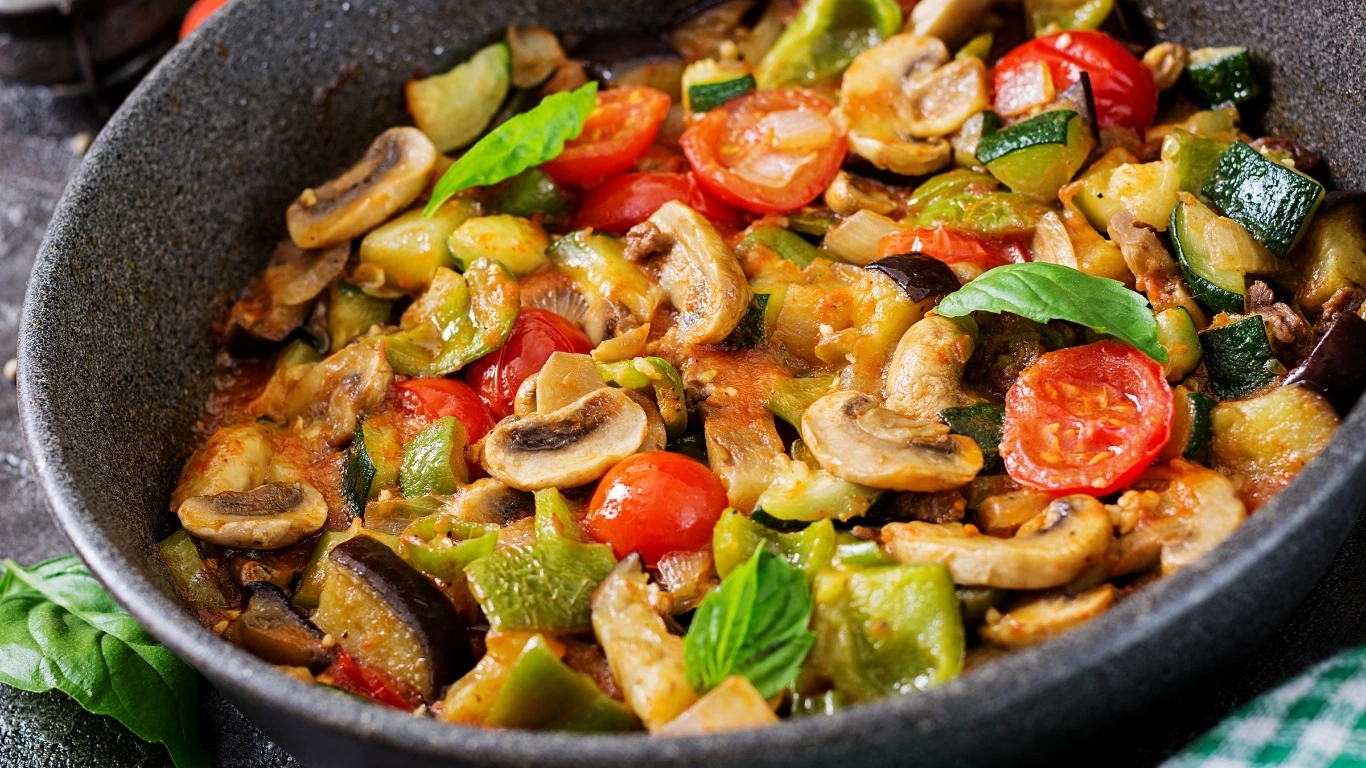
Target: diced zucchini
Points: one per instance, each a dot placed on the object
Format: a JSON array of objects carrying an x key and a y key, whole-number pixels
[
  {"x": 1036, "y": 157},
  {"x": 1191, "y": 433},
  {"x": 1220, "y": 124},
  {"x": 983, "y": 423},
  {"x": 385, "y": 451},
  {"x": 296, "y": 352},
  {"x": 1194, "y": 157},
  {"x": 1215, "y": 77},
  {"x": 410, "y": 248},
  {"x": 515, "y": 242},
  {"x": 357, "y": 473},
  {"x": 707, "y": 84},
  {"x": 1273, "y": 202},
  {"x": 1221, "y": 290},
  {"x": 789, "y": 245},
  {"x": 735, "y": 537},
  {"x": 967, "y": 138},
  {"x": 1269, "y": 438},
  {"x": 1176, "y": 333},
  {"x": 791, "y": 397},
  {"x": 812, "y": 221},
  {"x": 1049, "y": 16},
  {"x": 351, "y": 312},
  {"x": 530, "y": 192},
  {"x": 978, "y": 47},
  {"x": 1092, "y": 196},
  {"x": 192, "y": 577},
  {"x": 597, "y": 264},
  {"x": 801, "y": 492},
  {"x": 454, "y": 108},
  {"x": 752, "y": 330},
  {"x": 434, "y": 460},
  {"x": 1238, "y": 357},
  {"x": 1332, "y": 255}
]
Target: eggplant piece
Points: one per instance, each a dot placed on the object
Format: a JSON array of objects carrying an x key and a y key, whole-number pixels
[
  {"x": 1078, "y": 98},
  {"x": 1337, "y": 366},
  {"x": 277, "y": 632},
  {"x": 626, "y": 58},
  {"x": 920, "y": 276},
  {"x": 386, "y": 615}
]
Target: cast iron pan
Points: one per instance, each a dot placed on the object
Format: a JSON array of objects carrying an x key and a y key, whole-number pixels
[{"x": 182, "y": 196}]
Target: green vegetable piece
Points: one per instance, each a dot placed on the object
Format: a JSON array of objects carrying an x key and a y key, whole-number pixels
[
  {"x": 531, "y": 138},
  {"x": 311, "y": 580},
  {"x": 824, "y": 38},
  {"x": 545, "y": 587},
  {"x": 296, "y": 352},
  {"x": 511, "y": 241},
  {"x": 542, "y": 693},
  {"x": 441, "y": 545},
  {"x": 358, "y": 473},
  {"x": 791, "y": 397},
  {"x": 1176, "y": 333},
  {"x": 434, "y": 460},
  {"x": 1037, "y": 156},
  {"x": 597, "y": 264},
  {"x": 1192, "y": 426},
  {"x": 887, "y": 629},
  {"x": 735, "y": 538},
  {"x": 660, "y": 376},
  {"x": 826, "y": 703},
  {"x": 1220, "y": 290},
  {"x": 1044, "y": 292},
  {"x": 1049, "y": 16},
  {"x": 1216, "y": 77},
  {"x": 393, "y": 516},
  {"x": 455, "y": 107},
  {"x": 530, "y": 192},
  {"x": 978, "y": 47},
  {"x": 984, "y": 424},
  {"x": 59, "y": 630},
  {"x": 351, "y": 312},
  {"x": 191, "y": 575},
  {"x": 752, "y": 330},
  {"x": 1274, "y": 202},
  {"x": 457, "y": 321},
  {"x": 413, "y": 246},
  {"x": 802, "y": 492},
  {"x": 976, "y": 601},
  {"x": 1195, "y": 158},
  {"x": 754, "y": 624},
  {"x": 789, "y": 245},
  {"x": 706, "y": 96},
  {"x": 692, "y": 444},
  {"x": 1239, "y": 359},
  {"x": 812, "y": 221},
  {"x": 859, "y": 552}
]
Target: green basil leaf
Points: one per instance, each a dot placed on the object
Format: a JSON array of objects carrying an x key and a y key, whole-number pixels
[
  {"x": 756, "y": 624},
  {"x": 60, "y": 630},
  {"x": 1043, "y": 292},
  {"x": 529, "y": 139}
]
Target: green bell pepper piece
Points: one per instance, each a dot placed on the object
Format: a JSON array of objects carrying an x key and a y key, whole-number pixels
[
  {"x": 978, "y": 47},
  {"x": 544, "y": 587},
  {"x": 458, "y": 319},
  {"x": 393, "y": 516},
  {"x": 1049, "y": 16},
  {"x": 190, "y": 574},
  {"x": 976, "y": 601},
  {"x": 887, "y": 629},
  {"x": 529, "y": 192},
  {"x": 543, "y": 693},
  {"x": 659, "y": 375},
  {"x": 315, "y": 572},
  {"x": 824, "y": 38},
  {"x": 442, "y": 545},
  {"x": 434, "y": 460},
  {"x": 735, "y": 538},
  {"x": 852, "y": 551}
]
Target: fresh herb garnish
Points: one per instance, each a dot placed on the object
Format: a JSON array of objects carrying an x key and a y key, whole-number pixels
[
  {"x": 755, "y": 624},
  {"x": 1044, "y": 292},
  {"x": 60, "y": 630},
  {"x": 529, "y": 139}
]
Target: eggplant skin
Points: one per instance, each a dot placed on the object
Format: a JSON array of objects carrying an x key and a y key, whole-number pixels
[
  {"x": 414, "y": 601},
  {"x": 1334, "y": 367},
  {"x": 277, "y": 632},
  {"x": 920, "y": 276}
]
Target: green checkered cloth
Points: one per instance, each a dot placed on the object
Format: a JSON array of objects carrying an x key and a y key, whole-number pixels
[{"x": 1317, "y": 720}]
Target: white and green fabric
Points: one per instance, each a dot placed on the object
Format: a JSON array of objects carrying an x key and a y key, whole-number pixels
[{"x": 1317, "y": 720}]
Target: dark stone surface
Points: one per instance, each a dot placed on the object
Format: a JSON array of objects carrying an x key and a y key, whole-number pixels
[{"x": 47, "y": 730}]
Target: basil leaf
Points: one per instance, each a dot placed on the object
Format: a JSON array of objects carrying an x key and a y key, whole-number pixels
[
  {"x": 756, "y": 624},
  {"x": 1043, "y": 292},
  {"x": 529, "y": 139},
  {"x": 60, "y": 630}
]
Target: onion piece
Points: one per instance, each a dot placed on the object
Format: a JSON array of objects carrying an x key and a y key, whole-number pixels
[
  {"x": 1023, "y": 89},
  {"x": 856, "y": 239}
]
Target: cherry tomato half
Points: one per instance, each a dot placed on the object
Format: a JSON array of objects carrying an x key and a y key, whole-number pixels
[
  {"x": 197, "y": 14},
  {"x": 1123, "y": 88},
  {"x": 437, "y": 398},
  {"x": 655, "y": 503},
  {"x": 620, "y": 130},
  {"x": 538, "y": 334},
  {"x": 768, "y": 151},
  {"x": 624, "y": 201},
  {"x": 1086, "y": 419},
  {"x": 951, "y": 246}
]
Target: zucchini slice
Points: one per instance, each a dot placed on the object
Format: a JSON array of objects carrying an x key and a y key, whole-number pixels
[
  {"x": 1274, "y": 202},
  {"x": 352, "y": 312},
  {"x": 984, "y": 424},
  {"x": 434, "y": 460},
  {"x": 706, "y": 96},
  {"x": 454, "y": 108},
  {"x": 1195, "y": 158},
  {"x": 1216, "y": 77},
  {"x": 1191, "y": 432},
  {"x": 1176, "y": 333},
  {"x": 1036, "y": 157},
  {"x": 1239, "y": 359},
  {"x": 1220, "y": 290}
]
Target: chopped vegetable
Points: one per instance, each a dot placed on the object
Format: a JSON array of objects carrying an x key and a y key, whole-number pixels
[
  {"x": 454, "y": 108},
  {"x": 824, "y": 38},
  {"x": 1274, "y": 202}
]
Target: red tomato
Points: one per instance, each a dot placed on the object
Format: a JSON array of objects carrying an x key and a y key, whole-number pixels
[
  {"x": 656, "y": 503},
  {"x": 624, "y": 201},
  {"x": 768, "y": 151},
  {"x": 365, "y": 682},
  {"x": 620, "y": 130},
  {"x": 438, "y": 398},
  {"x": 1086, "y": 419},
  {"x": 197, "y": 14},
  {"x": 951, "y": 246},
  {"x": 1123, "y": 88},
  {"x": 538, "y": 334}
]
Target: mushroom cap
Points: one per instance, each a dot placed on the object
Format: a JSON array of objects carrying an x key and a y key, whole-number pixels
[
  {"x": 855, "y": 438},
  {"x": 568, "y": 447},
  {"x": 272, "y": 516},
  {"x": 925, "y": 375},
  {"x": 1073, "y": 534},
  {"x": 704, "y": 280},
  {"x": 234, "y": 458}
]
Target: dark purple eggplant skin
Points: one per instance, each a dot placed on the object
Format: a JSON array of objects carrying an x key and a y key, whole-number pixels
[
  {"x": 1337, "y": 366},
  {"x": 416, "y": 602},
  {"x": 1338, "y": 197},
  {"x": 920, "y": 276},
  {"x": 276, "y": 631}
]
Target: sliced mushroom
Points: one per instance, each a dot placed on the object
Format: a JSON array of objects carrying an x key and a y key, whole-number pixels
[
  {"x": 849, "y": 194},
  {"x": 234, "y": 458},
  {"x": 274, "y": 630},
  {"x": 1073, "y": 534},
  {"x": 390, "y": 176},
  {"x": 948, "y": 20},
  {"x": 656, "y": 434},
  {"x": 271, "y": 516},
  {"x": 858, "y": 440},
  {"x": 277, "y": 302},
  {"x": 491, "y": 501},
  {"x": 925, "y": 375},
  {"x": 564, "y": 378},
  {"x": 704, "y": 280},
  {"x": 1183, "y": 511},
  {"x": 329, "y": 395},
  {"x": 1046, "y": 617},
  {"x": 1003, "y": 514},
  {"x": 1166, "y": 61},
  {"x": 624, "y": 346},
  {"x": 1156, "y": 272},
  {"x": 567, "y": 447},
  {"x": 524, "y": 402},
  {"x": 939, "y": 103},
  {"x": 907, "y": 157}
]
